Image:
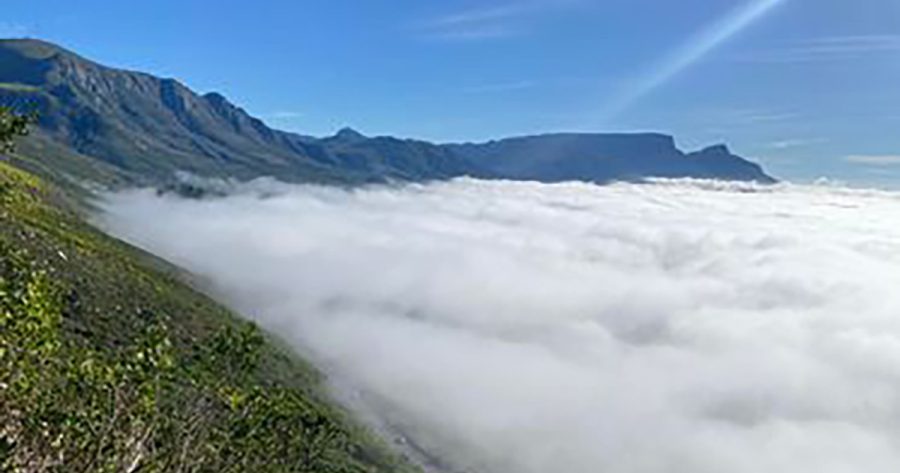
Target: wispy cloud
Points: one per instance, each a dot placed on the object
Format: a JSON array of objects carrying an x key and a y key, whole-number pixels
[
  {"x": 475, "y": 33},
  {"x": 763, "y": 117},
  {"x": 744, "y": 116},
  {"x": 833, "y": 48},
  {"x": 475, "y": 24},
  {"x": 791, "y": 143},
  {"x": 500, "y": 87},
  {"x": 283, "y": 115},
  {"x": 874, "y": 160},
  {"x": 481, "y": 15},
  {"x": 486, "y": 22},
  {"x": 13, "y": 30}
]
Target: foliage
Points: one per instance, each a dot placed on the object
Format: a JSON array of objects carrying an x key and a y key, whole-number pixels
[
  {"x": 69, "y": 408},
  {"x": 109, "y": 362},
  {"x": 12, "y": 125}
]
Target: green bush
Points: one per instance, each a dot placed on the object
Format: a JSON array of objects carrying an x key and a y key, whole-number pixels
[
  {"x": 12, "y": 125},
  {"x": 142, "y": 408}
]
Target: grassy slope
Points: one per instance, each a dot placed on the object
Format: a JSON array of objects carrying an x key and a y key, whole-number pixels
[{"x": 110, "y": 293}]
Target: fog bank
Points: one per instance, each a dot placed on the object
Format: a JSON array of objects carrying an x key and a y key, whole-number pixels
[{"x": 519, "y": 327}]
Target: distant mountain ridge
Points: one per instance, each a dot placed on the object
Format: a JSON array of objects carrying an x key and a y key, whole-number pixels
[
  {"x": 112, "y": 125},
  {"x": 606, "y": 157}
]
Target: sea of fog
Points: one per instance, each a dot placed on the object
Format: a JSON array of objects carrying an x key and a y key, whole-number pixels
[{"x": 678, "y": 326}]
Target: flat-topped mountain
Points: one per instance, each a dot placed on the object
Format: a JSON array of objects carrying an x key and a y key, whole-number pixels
[
  {"x": 606, "y": 157},
  {"x": 108, "y": 124}
]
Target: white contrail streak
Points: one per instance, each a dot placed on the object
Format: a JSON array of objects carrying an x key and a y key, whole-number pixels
[{"x": 691, "y": 52}]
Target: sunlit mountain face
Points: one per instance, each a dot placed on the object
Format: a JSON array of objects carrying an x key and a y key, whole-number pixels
[{"x": 674, "y": 326}]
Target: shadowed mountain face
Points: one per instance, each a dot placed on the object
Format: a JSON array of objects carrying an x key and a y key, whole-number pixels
[
  {"x": 113, "y": 125},
  {"x": 606, "y": 157}
]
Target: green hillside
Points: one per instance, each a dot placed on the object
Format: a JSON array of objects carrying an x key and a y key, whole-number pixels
[{"x": 109, "y": 361}]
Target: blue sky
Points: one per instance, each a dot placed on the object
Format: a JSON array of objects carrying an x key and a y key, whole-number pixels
[{"x": 808, "y": 87}]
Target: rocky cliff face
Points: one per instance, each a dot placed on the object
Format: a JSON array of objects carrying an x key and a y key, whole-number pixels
[{"x": 146, "y": 125}]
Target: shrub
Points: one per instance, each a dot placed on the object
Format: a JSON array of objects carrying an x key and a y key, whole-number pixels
[
  {"x": 12, "y": 125},
  {"x": 65, "y": 407}
]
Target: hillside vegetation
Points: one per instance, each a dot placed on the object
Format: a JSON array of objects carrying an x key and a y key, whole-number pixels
[{"x": 109, "y": 362}]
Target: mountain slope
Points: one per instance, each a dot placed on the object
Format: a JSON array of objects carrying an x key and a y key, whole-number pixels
[
  {"x": 394, "y": 158},
  {"x": 117, "y": 126},
  {"x": 110, "y": 362},
  {"x": 145, "y": 126}
]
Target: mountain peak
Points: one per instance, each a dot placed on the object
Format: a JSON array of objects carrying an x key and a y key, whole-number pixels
[
  {"x": 349, "y": 134},
  {"x": 215, "y": 97},
  {"x": 719, "y": 162},
  {"x": 35, "y": 48},
  {"x": 220, "y": 102},
  {"x": 718, "y": 149}
]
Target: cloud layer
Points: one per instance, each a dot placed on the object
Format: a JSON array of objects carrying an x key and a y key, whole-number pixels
[
  {"x": 673, "y": 327},
  {"x": 874, "y": 160}
]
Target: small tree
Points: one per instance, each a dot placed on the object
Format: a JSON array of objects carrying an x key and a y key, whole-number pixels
[{"x": 12, "y": 125}]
